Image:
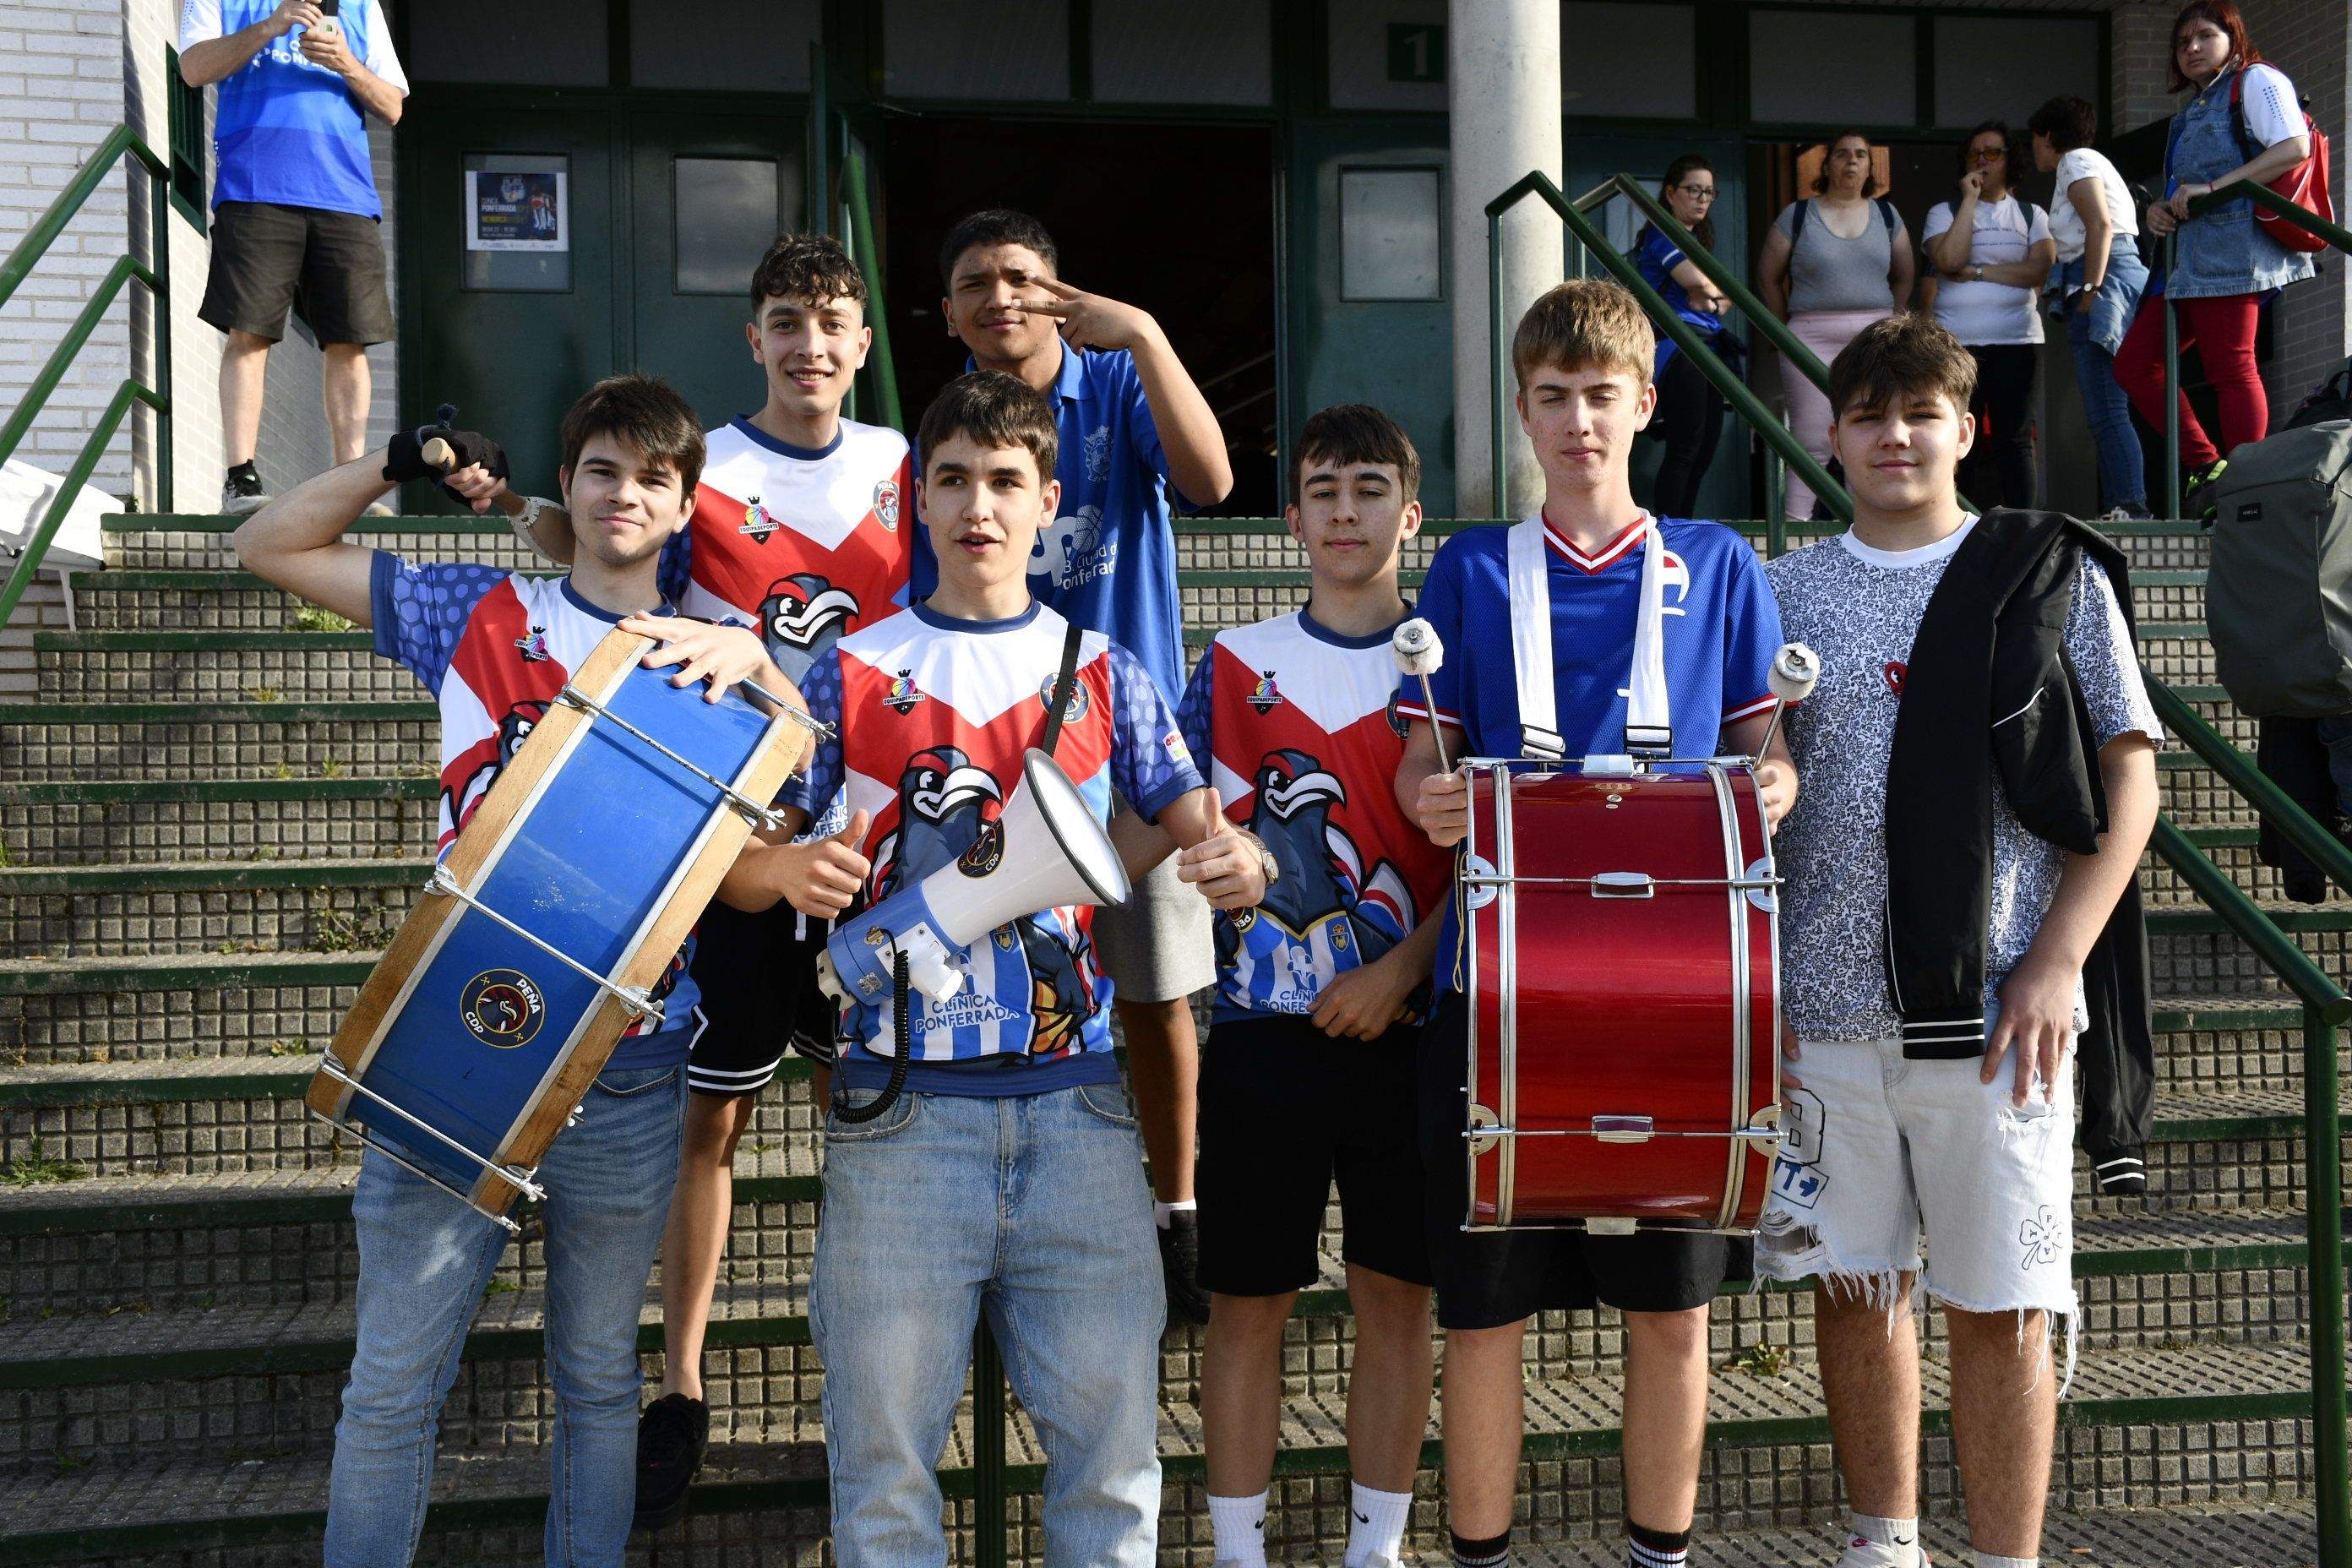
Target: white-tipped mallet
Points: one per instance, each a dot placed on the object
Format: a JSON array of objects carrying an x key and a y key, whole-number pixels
[
  {"x": 1794, "y": 669},
  {"x": 1420, "y": 655}
]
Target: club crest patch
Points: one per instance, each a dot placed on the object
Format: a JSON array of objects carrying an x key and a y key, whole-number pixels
[
  {"x": 1265, "y": 696},
  {"x": 902, "y": 696},
  {"x": 1076, "y": 709},
  {"x": 502, "y": 1008},
  {"x": 757, "y": 521},
  {"x": 987, "y": 851},
  {"x": 885, "y": 504}
]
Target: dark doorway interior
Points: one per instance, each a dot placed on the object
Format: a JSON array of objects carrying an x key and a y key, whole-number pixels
[{"x": 1178, "y": 220}]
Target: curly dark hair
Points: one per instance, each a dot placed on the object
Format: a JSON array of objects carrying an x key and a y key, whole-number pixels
[
  {"x": 2015, "y": 152},
  {"x": 809, "y": 269}
]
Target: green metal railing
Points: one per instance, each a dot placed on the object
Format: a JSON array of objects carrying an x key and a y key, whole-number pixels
[
  {"x": 127, "y": 268},
  {"x": 2236, "y": 190},
  {"x": 2324, "y": 1003}
]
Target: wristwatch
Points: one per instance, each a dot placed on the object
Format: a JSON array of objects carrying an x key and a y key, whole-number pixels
[
  {"x": 1976, "y": 272},
  {"x": 1266, "y": 862}
]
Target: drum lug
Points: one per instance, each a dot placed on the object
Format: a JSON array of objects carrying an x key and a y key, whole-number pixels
[
  {"x": 1623, "y": 1129},
  {"x": 1763, "y": 888},
  {"x": 1610, "y": 1225},
  {"x": 1483, "y": 1125},
  {"x": 640, "y": 1001},
  {"x": 1477, "y": 881},
  {"x": 1623, "y": 885},
  {"x": 1764, "y": 1127}
]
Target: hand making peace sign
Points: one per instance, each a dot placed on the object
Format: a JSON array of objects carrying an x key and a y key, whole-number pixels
[{"x": 1089, "y": 320}]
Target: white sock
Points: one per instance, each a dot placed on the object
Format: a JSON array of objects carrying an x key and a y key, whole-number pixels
[
  {"x": 1899, "y": 1536},
  {"x": 1993, "y": 1560},
  {"x": 1160, "y": 1210},
  {"x": 1237, "y": 1525},
  {"x": 1376, "y": 1521}
]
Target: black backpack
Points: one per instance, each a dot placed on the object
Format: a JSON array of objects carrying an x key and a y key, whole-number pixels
[{"x": 2330, "y": 400}]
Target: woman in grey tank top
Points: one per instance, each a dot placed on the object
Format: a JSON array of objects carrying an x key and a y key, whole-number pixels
[{"x": 1832, "y": 264}]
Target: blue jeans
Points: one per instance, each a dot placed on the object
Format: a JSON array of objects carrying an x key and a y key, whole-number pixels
[
  {"x": 1031, "y": 1209},
  {"x": 425, "y": 1261},
  {"x": 2123, "y": 469}
]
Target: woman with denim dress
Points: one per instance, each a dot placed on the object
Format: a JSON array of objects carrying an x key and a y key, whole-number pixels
[
  {"x": 2226, "y": 266},
  {"x": 2099, "y": 281}
]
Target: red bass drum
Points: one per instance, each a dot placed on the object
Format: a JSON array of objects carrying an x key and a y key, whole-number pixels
[{"x": 1622, "y": 957}]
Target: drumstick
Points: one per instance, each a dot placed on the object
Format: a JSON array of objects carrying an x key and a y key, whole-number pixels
[
  {"x": 438, "y": 453},
  {"x": 1420, "y": 654},
  {"x": 1795, "y": 669}
]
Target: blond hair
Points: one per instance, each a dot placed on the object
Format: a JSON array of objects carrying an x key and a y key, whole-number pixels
[{"x": 1585, "y": 323}]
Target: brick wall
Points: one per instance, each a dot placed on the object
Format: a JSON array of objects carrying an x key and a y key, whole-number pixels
[{"x": 2311, "y": 40}]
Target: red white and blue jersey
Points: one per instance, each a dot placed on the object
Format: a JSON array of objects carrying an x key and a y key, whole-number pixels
[
  {"x": 495, "y": 648},
  {"x": 806, "y": 544},
  {"x": 1300, "y": 728},
  {"x": 1721, "y": 628},
  {"x": 932, "y": 717}
]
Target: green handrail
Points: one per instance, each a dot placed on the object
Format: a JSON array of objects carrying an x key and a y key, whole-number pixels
[
  {"x": 2235, "y": 191},
  {"x": 2325, "y": 1004},
  {"x": 863, "y": 246},
  {"x": 1734, "y": 390},
  {"x": 127, "y": 269}
]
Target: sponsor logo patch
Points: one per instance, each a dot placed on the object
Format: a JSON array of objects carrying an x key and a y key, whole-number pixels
[{"x": 502, "y": 1008}]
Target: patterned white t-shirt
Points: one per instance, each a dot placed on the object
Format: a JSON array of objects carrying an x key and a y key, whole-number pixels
[{"x": 1859, "y": 608}]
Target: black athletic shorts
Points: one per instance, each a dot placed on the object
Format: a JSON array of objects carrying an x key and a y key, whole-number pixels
[
  {"x": 328, "y": 265},
  {"x": 1284, "y": 1109},
  {"x": 1490, "y": 1279},
  {"x": 760, "y": 998}
]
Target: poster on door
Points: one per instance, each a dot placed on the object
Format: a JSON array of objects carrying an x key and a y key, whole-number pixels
[{"x": 517, "y": 211}]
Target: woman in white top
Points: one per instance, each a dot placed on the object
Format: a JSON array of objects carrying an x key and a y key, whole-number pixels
[
  {"x": 1987, "y": 255},
  {"x": 1832, "y": 264},
  {"x": 2100, "y": 278},
  {"x": 2241, "y": 123}
]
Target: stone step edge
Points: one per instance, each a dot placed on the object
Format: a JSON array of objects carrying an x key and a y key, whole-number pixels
[
  {"x": 525, "y": 1508},
  {"x": 196, "y": 1080},
  {"x": 200, "y": 1356}
]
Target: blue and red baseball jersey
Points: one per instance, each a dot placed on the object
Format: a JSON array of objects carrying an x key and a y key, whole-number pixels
[
  {"x": 932, "y": 718},
  {"x": 1721, "y": 628},
  {"x": 1300, "y": 728},
  {"x": 495, "y": 648},
  {"x": 806, "y": 544}
]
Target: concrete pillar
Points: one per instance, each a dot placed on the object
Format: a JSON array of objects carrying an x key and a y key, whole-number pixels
[{"x": 1503, "y": 97}]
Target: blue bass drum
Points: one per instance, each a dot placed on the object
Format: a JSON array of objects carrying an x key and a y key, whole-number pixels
[{"x": 545, "y": 930}]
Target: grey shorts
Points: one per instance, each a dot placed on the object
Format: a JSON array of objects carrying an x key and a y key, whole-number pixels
[
  {"x": 328, "y": 265},
  {"x": 1157, "y": 946}
]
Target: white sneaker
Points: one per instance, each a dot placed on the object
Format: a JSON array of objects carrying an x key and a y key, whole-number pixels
[{"x": 1866, "y": 1553}]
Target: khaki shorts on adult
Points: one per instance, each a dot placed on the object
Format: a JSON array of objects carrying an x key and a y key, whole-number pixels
[{"x": 1157, "y": 946}]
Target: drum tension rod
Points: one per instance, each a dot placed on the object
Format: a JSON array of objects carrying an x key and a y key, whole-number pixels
[
  {"x": 761, "y": 815},
  {"x": 635, "y": 998},
  {"x": 520, "y": 1179}
]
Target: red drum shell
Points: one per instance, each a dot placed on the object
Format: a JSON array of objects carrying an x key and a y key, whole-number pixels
[{"x": 1660, "y": 1007}]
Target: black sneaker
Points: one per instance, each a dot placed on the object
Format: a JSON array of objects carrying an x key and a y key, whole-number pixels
[
  {"x": 241, "y": 491},
  {"x": 672, "y": 1436},
  {"x": 2192, "y": 493},
  {"x": 1179, "y": 1266}
]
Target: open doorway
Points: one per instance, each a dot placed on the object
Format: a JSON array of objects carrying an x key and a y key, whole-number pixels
[{"x": 1178, "y": 220}]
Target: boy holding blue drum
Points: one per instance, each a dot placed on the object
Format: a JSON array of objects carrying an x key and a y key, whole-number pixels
[
  {"x": 496, "y": 648},
  {"x": 1007, "y": 1175}
]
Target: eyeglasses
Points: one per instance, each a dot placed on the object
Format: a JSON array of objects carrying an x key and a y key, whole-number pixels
[
  {"x": 1697, "y": 193},
  {"x": 1987, "y": 154}
]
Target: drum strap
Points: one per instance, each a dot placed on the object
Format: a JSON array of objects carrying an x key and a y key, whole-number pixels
[
  {"x": 1649, "y": 729},
  {"x": 1063, "y": 682}
]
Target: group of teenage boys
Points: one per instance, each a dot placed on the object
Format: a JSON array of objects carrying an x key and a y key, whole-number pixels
[{"x": 1288, "y": 819}]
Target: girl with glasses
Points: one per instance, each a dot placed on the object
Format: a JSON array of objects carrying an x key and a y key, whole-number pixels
[{"x": 1689, "y": 417}]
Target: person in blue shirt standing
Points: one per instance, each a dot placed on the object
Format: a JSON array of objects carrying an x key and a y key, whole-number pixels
[
  {"x": 1137, "y": 439},
  {"x": 295, "y": 210},
  {"x": 1690, "y": 411}
]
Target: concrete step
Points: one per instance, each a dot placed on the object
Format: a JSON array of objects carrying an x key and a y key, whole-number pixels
[
  {"x": 179, "y": 742},
  {"x": 113, "y": 821},
  {"x": 225, "y": 1215},
  {"x": 2196, "y": 1397}
]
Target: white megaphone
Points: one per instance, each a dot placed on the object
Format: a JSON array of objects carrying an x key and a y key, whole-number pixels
[{"x": 1047, "y": 849}]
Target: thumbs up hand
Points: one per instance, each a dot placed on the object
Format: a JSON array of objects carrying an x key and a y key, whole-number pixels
[
  {"x": 1229, "y": 866},
  {"x": 820, "y": 878}
]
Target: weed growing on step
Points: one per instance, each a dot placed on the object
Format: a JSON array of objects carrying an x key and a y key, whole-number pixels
[
  {"x": 38, "y": 1168},
  {"x": 289, "y": 1048},
  {"x": 264, "y": 694},
  {"x": 331, "y": 768},
  {"x": 348, "y": 931},
  {"x": 284, "y": 772},
  {"x": 499, "y": 1287},
  {"x": 1763, "y": 1359},
  {"x": 311, "y": 618},
  {"x": 5, "y": 861}
]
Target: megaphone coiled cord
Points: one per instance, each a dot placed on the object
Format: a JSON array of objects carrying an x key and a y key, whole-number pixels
[{"x": 903, "y": 1043}]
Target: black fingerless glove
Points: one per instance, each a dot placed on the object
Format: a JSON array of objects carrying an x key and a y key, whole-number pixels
[{"x": 404, "y": 458}]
